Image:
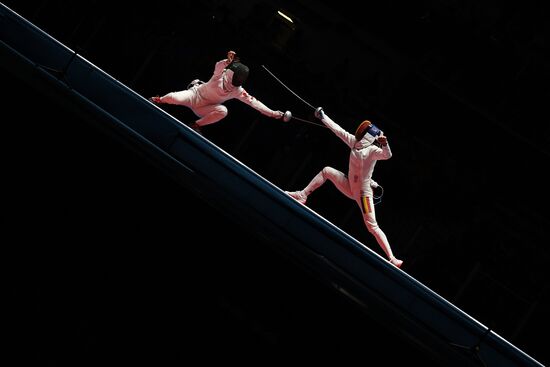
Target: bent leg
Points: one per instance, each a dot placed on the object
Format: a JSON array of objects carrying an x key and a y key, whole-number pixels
[
  {"x": 210, "y": 114},
  {"x": 339, "y": 180},
  {"x": 183, "y": 98}
]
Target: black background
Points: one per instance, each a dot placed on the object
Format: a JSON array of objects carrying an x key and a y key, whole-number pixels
[{"x": 460, "y": 91}]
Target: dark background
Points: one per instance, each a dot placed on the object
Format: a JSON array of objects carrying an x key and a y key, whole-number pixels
[{"x": 460, "y": 90}]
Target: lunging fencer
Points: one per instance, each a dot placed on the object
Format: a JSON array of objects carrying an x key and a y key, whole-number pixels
[
  {"x": 205, "y": 99},
  {"x": 368, "y": 145}
]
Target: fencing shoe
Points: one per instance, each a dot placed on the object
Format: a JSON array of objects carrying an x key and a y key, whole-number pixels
[
  {"x": 396, "y": 262},
  {"x": 299, "y": 196},
  {"x": 195, "y": 82},
  {"x": 196, "y": 127}
]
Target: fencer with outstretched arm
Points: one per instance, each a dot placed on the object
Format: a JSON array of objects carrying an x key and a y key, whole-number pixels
[
  {"x": 205, "y": 99},
  {"x": 368, "y": 146}
]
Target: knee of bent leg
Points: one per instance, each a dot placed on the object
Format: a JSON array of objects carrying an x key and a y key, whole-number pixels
[
  {"x": 327, "y": 171},
  {"x": 220, "y": 111}
]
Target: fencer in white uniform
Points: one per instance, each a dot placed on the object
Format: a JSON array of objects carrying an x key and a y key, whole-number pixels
[
  {"x": 205, "y": 99},
  {"x": 368, "y": 145}
]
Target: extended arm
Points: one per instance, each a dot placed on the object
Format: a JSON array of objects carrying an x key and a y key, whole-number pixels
[
  {"x": 257, "y": 105},
  {"x": 335, "y": 128}
]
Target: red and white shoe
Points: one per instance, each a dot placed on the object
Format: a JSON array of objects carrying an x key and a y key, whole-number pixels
[
  {"x": 194, "y": 83},
  {"x": 155, "y": 99},
  {"x": 396, "y": 262},
  {"x": 196, "y": 127},
  {"x": 299, "y": 196}
]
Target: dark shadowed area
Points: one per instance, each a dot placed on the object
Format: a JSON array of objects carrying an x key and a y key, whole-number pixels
[{"x": 459, "y": 88}]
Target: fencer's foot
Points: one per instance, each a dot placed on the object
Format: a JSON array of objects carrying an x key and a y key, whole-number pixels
[
  {"x": 155, "y": 99},
  {"x": 194, "y": 82},
  {"x": 196, "y": 127},
  {"x": 396, "y": 262},
  {"x": 299, "y": 196}
]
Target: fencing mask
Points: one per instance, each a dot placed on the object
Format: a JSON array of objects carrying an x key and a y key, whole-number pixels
[
  {"x": 368, "y": 131},
  {"x": 240, "y": 73}
]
